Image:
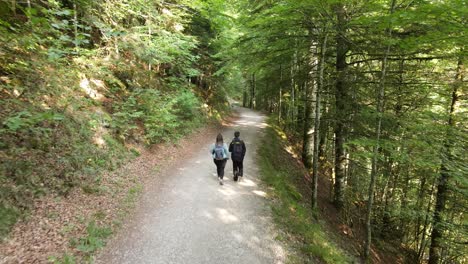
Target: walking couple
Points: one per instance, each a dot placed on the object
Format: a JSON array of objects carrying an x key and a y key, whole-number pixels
[{"x": 220, "y": 153}]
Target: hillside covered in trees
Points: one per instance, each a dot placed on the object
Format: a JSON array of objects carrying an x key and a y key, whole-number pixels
[
  {"x": 80, "y": 80},
  {"x": 372, "y": 94}
]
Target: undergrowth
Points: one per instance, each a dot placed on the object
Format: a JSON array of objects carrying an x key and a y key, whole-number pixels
[
  {"x": 290, "y": 209},
  {"x": 73, "y": 98},
  {"x": 94, "y": 240},
  {"x": 55, "y": 135}
]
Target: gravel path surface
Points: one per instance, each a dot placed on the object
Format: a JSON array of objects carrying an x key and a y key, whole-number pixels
[{"x": 189, "y": 218}]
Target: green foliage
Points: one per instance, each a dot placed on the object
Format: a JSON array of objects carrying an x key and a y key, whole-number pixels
[
  {"x": 8, "y": 217},
  {"x": 65, "y": 259},
  {"x": 31, "y": 127},
  {"x": 412, "y": 51},
  {"x": 187, "y": 106},
  {"x": 162, "y": 117},
  {"x": 94, "y": 240},
  {"x": 79, "y": 78},
  {"x": 132, "y": 195},
  {"x": 291, "y": 212}
]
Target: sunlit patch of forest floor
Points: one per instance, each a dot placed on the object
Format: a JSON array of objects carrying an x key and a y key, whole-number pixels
[{"x": 72, "y": 229}]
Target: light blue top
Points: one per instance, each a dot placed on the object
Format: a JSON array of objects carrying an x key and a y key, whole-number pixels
[{"x": 225, "y": 152}]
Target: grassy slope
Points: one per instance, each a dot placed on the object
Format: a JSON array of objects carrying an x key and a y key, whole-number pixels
[{"x": 291, "y": 209}]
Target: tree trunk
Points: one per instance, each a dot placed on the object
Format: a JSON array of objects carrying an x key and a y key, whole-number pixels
[
  {"x": 149, "y": 63},
  {"x": 280, "y": 99},
  {"x": 29, "y": 10},
  {"x": 300, "y": 108},
  {"x": 423, "y": 241},
  {"x": 250, "y": 93},
  {"x": 380, "y": 111},
  {"x": 419, "y": 204},
  {"x": 315, "y": 168},
  {"x": 244, "y": 96},
  {"x": 324, "y": 124},
  {"x": 341, "y": 101},
  {"x": 292, "y": 101},
  {"x": 376, "y": 147},
  {"x": 442, "y": 186},
  {"x": 393, "y": 177},
  {"x": 252, "y": 99},
  {"x": 13, "y": 7},
  {"x": 75, "y": 24},
  {"x": 310, "y": 94}
]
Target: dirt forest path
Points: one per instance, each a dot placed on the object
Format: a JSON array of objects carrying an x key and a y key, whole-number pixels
[{"x": 190, "y": 218}]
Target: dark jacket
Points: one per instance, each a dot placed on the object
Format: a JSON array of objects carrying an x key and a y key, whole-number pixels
[{"x": 234, "y": 156}]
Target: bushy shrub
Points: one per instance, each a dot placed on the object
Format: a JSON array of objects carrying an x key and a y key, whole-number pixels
[
  {"x": 155, "y": 116},
  {"x": 187, "y": 105}
]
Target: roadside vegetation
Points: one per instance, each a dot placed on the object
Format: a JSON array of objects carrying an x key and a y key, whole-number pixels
[
  {"x": 309, "y": 240},
  {"x": 373, "y": 94},
  {"x": 84, "y": 83}
]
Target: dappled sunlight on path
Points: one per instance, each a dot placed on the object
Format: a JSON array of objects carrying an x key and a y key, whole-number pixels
[{"x": 190, "y": 218}]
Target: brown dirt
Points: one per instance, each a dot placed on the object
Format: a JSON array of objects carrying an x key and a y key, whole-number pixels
[{"x": 56, "y": 220}]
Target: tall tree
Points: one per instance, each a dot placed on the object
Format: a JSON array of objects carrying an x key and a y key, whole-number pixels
[
  {"x": 341, "y": 101},
  {"x": 443, "y": 184},
  {"x": 321, "y": 68},
  {"x": 376, "y": 148}
]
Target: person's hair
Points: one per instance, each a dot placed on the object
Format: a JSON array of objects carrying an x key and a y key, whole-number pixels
[
  {"x": 236, "y": 134},
  {"x": 219, "y": 138}
]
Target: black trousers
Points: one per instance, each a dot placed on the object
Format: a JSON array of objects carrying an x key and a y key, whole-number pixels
[
  {"x": 220, "y": 164},
  {"x": 238, "y": 165}
]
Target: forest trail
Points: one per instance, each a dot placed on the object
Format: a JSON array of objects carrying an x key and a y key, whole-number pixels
[{"x": 190, "y": 218}]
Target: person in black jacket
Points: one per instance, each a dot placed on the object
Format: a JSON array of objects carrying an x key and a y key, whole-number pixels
[{"x": 237, "y": 149}]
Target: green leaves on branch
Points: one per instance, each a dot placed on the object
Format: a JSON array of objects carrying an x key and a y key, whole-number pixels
[
  {"x": 160, "y": 117},
  {"x": 26, "y": 120}
]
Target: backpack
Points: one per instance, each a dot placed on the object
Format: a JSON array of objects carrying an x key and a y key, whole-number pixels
[
  {"x": 237, "y": 150},
  {"x": 218, "y": 151}
]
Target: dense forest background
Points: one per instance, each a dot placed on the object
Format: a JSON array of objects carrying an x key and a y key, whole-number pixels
[{"x": 372, "y": 94}]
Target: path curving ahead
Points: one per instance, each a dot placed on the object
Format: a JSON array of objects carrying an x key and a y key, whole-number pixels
[{"x": 190, "y": 218}]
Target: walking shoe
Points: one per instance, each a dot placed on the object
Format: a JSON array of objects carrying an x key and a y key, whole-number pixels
[
  {"x": 236, "y": 176},
  {"x": 220, "y": 181}
]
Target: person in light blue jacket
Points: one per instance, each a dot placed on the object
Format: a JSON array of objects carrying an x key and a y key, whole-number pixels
[{"x": 220, "y": 154}]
